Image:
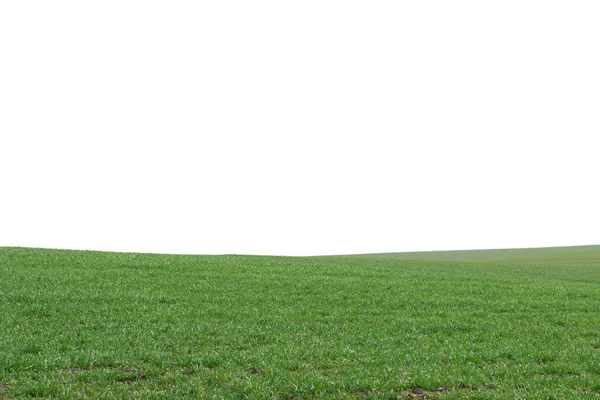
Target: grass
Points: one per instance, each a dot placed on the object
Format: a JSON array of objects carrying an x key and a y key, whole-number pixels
[
  {"x": 79, "y": 324},
  {"x": 546, "y": 255}
]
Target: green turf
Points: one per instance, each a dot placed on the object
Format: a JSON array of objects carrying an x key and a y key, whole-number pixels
[
  {"x": 549, "y": 255},
  {"x": 116, "y": 325}
]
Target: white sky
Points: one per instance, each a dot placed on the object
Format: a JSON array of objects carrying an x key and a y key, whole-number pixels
[{"x": 293, "y": 128}]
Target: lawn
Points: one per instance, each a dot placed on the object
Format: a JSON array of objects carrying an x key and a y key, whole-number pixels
[{"x": 79, "y": 324}]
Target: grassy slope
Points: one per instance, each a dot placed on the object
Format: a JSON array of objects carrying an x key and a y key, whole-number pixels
[
  {"x": 92, "y": 324},
  {"x": 553, "y": 255}
]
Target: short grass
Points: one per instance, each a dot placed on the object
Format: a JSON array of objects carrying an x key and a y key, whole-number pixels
[
  {"x": 546, "y": 255},
  {"x": 116, "y": 325}
]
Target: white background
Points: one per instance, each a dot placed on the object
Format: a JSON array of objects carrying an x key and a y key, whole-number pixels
[{"x": 299, "y": 127}]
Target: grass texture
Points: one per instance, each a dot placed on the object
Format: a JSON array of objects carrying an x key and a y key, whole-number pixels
[
  {"x": 547, "y": 255},
  {"x": 77, "y": 324}
]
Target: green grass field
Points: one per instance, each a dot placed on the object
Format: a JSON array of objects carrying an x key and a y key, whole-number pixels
[
  {"x": 518, "y": 325},
  {"x": 548, "y": 255}
]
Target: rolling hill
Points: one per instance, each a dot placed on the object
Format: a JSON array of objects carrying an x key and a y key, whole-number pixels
[{"x": 554, "y": 255}]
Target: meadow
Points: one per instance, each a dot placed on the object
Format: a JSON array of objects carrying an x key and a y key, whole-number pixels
[{"x": 83, "y": 324}]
